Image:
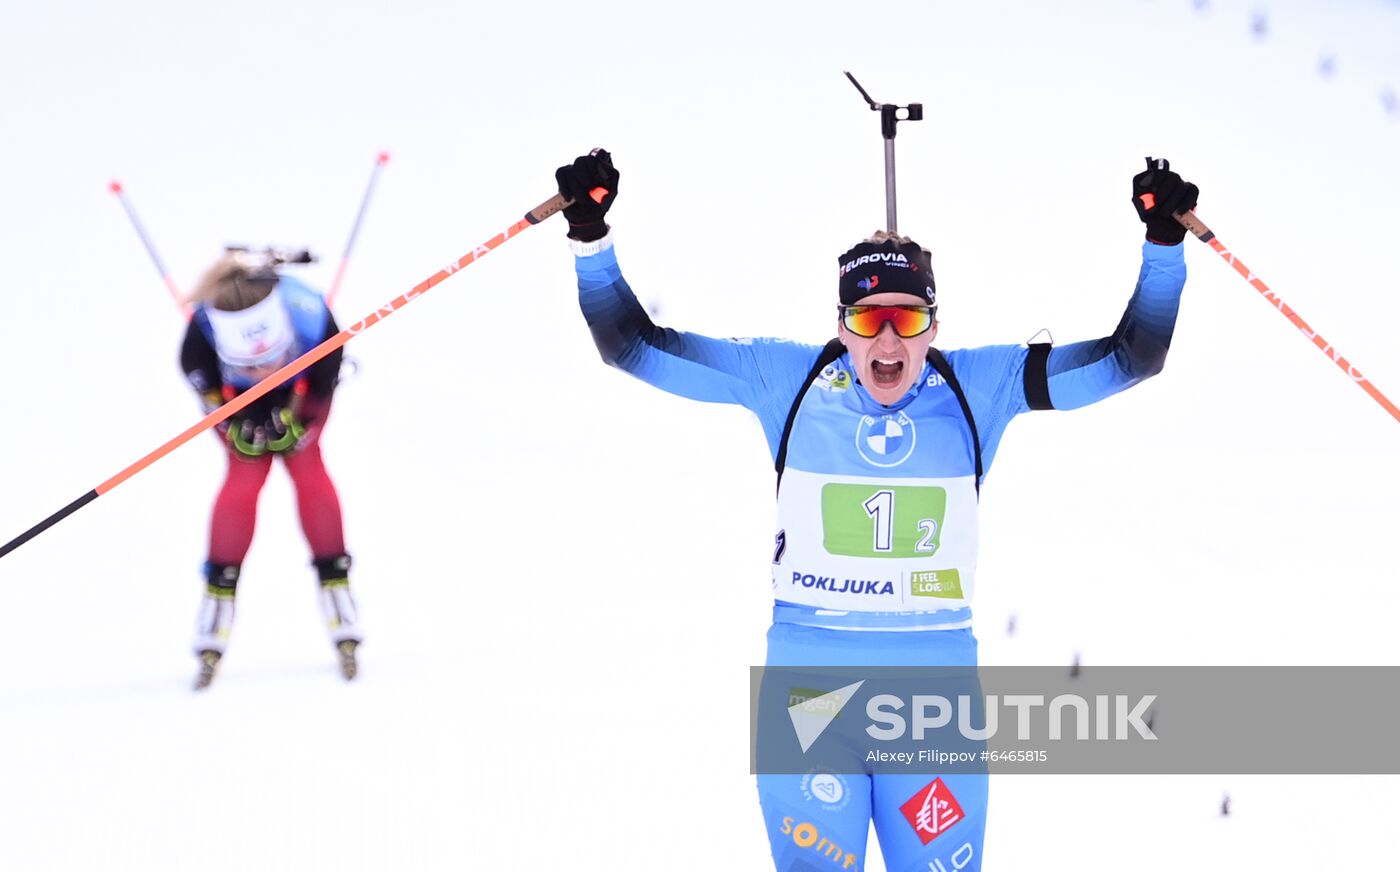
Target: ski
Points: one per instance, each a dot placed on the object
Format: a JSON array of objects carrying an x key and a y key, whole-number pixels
[
  {"x": 349, "y": 667},
  {"x": 208, "y": 662}
]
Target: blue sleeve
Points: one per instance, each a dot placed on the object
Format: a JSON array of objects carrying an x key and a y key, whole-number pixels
[
  {"x": 1082, "y": 372},
  {"x": 762, "y": 375},
  {"x": 1085, "y": 372}
]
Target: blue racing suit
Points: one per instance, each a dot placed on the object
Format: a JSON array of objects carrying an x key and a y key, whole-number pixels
[{"x": 877, "y": 509}]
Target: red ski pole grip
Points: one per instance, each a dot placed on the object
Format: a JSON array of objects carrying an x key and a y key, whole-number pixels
[{"x": 597, "y": 194}]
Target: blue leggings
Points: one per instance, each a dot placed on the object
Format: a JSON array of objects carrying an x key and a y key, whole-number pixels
[{"x": 820, "y": 821}]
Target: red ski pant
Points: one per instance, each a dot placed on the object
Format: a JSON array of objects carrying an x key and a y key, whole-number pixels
[{"x": 236, "y": 507}]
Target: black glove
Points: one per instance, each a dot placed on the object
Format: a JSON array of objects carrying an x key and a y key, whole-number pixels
[
  {"x": 579, "y": 181},
  {"x": 1158, "y": 193}
]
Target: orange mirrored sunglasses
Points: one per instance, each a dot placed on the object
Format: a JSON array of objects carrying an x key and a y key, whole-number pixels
[{"x": 867, "y": 321}]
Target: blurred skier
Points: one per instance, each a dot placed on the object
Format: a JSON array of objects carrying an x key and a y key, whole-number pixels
[
  {"x": 881, "y": 443},
  {"x": 249, "y": 320}
]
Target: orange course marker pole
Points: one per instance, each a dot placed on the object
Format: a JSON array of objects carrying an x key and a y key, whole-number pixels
[
  {"x": 116, "y": 188},
  {"x": 238, "y": 403},
  {"x": 1206, "y": 235},
  {"x": 331, "y": 294}
]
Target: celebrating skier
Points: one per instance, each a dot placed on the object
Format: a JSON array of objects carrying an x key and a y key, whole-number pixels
[
  {"x": 249, "y": 320},
  {"x": 881, "y": 443}
]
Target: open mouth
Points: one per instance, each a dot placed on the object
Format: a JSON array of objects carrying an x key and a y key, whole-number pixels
[{"x": 886, "y": 373}]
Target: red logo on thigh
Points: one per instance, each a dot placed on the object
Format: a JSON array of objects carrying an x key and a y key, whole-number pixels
[{"x": 932, "y": 810}]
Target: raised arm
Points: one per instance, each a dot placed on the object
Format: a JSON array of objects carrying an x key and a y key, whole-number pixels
[
  {"x": 1085, "y": 372},
  {"x": 755, "y": 373},
  {"x": 1081, "y": 373},
  {"x": 997, "y": 378}
]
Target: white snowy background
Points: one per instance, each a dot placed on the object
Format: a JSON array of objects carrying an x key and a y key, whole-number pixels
[{"x": 563, "y": 572}]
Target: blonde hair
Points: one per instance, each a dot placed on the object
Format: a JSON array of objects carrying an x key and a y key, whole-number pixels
[
  {"x": 233, "y": 283},
  {"x": 879, "y": 237}
]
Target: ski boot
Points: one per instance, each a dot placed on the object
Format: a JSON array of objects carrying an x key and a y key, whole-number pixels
[
  {"x": 338, "y": 607},
  {"x": 215, "y": 620}
]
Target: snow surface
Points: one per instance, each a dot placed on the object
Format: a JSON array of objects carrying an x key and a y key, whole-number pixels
[{"x": 563, "y": 572}]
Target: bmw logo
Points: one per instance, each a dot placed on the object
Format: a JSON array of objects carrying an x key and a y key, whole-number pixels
[{"x": 887, "y": 440}]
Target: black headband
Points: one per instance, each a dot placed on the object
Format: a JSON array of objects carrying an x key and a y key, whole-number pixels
[{"x": 886, "y": 267}]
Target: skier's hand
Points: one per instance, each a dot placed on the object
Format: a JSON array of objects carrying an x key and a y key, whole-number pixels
[
  {"x": 211, "y": 400},
  {"x": 591, "y": 182},
  {"x": 1158, "y": 194},
  {"x": 245, "y": 438},
  {"x": 285, "y": 433}
]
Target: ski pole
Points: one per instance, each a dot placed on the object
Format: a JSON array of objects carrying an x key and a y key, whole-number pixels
[
  {"x": 116, "y": 188},
  {"x": 238, "y": 403},
  {"x": 1206, "y": 235},
  {"x": 355, "y": 228}
]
